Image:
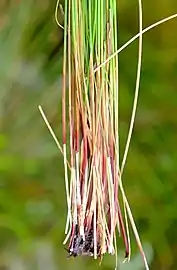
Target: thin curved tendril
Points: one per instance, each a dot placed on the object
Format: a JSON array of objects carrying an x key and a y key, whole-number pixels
[
  {"x": 56, "y": 14},
  {"x": 50, "y": 128},
  {"x": 132, "y": 222},
  {"x": 63, "y": 151},
  {"x": 126, "y": 204},
  {"x": 133, "y": 113},
  {"x": 52, "y": 132},
  {"x": 136, "y": 89},
  {"x": 133, "y": 38}
]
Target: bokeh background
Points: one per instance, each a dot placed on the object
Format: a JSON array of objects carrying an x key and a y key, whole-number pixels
[{"x": 32, "y": 193}]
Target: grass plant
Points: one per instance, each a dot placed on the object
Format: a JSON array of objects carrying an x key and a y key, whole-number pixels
[{"x": 90, "y": 121}]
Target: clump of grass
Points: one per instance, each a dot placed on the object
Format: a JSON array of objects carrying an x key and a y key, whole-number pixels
[
  {"x": 93, "y": 206},
  {"x": 90, "y": 109}
]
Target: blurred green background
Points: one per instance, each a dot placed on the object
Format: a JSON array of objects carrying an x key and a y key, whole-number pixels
[{"x": 32, "y": 193}]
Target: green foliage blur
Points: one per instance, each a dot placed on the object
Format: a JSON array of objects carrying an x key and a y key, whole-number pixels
[{"x": 32, "y": 192}]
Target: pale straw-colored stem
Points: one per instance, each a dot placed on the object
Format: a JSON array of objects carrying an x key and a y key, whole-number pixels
[{"x": 134, "y": 38}]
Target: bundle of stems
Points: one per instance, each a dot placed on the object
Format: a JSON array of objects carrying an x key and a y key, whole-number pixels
[
  {"x": 92, "y": 197},
  {"x": 90, "y": 120}
]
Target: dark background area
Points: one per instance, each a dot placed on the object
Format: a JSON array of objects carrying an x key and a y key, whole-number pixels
[{"x": 32, "y": 193}]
